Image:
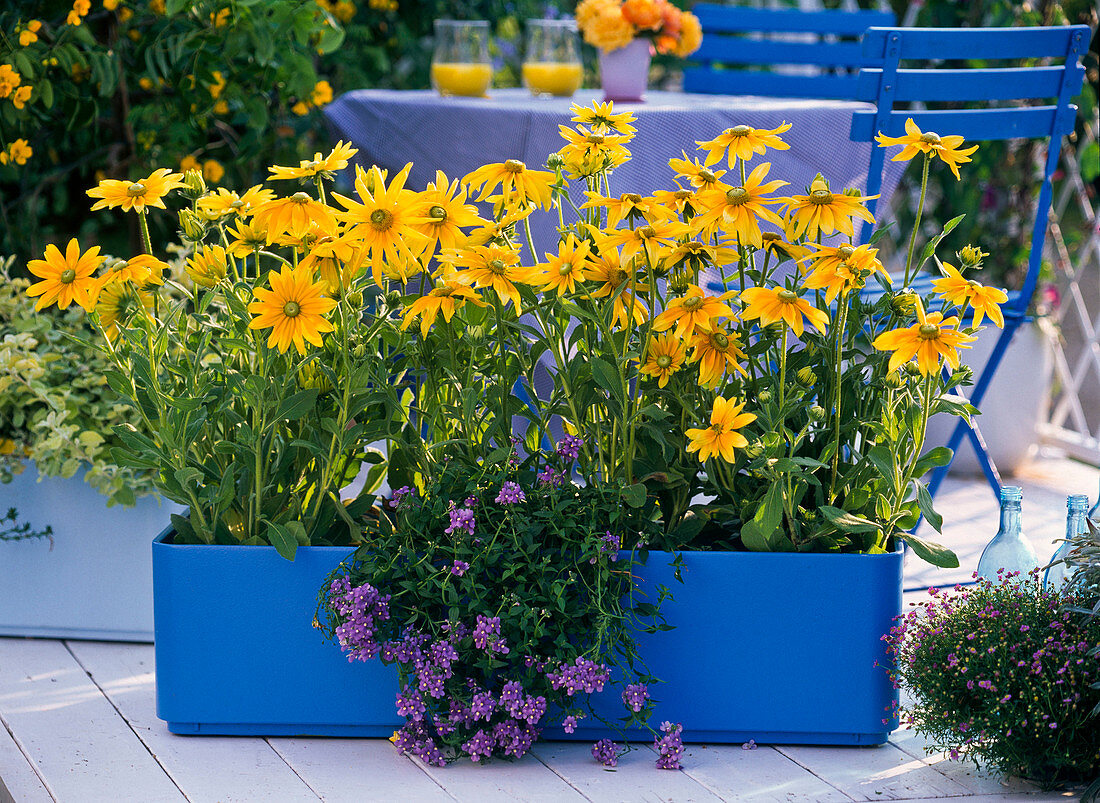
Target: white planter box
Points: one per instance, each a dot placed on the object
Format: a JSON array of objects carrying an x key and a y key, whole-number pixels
[
  {"x": 1012, "y": 405},
  {"x": 96, "y": 580}
]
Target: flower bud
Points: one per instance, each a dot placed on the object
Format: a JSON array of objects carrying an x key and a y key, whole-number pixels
[
  {"x": 754, "y": 449},
  {"x": 680, "y": 281},
  {"x": 971, "y": 256},
  {"x": 555, "y": 161},
  {"x": 852, "y": 192},
  {"x": 817, "y": 413},
  {"x": 894, "y": 379},
  {"x": 359, "y": 352},
  {"x": 393, "y": 299},
  {"x": 355, "y": 299},
  {"x": 963, "y": 375},
  {"x": 807, "y": 376},
  {"x": 764, "y": 396},
  {"x": 912, "y": 369},
  {"x": 903, "y": 302},
  {"x": 194, "y": 186},
  {"x": 191, "y": 225}
]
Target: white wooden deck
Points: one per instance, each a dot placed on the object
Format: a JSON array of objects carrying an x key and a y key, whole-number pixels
[{"x": 79, "y": 725}]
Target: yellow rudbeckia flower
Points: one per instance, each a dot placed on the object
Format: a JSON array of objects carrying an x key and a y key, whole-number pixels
[
  {"x": 722, "y": 436},
  {"x": 293, "y": 309}
]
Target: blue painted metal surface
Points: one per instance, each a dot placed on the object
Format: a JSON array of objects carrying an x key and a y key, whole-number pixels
[
  {"x": 739, "y": 38},
  {"x": 888, "y": 84},
  {"x": 236, "y": 653}
]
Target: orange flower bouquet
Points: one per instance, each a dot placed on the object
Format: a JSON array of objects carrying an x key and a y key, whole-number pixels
[{"x": 613, "y": 24}]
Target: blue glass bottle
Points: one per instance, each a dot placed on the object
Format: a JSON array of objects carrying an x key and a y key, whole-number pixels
[
  {"x": 1009, "y": 550},
  {"x": 1058, "y": 573}
]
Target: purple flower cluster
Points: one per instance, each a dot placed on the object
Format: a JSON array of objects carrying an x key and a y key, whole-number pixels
[
  {"x": 581, "y": 675},
  {"x": 510, "y": 494},
  {"x": 670, "y": 746},
  {"x": 360, "y": 608},
  {"x": 606, "y": 752},
  {"x": 487, "y": 635},
  {"x": 635, "y": 696},
  {"x": 551, "y": 477},
  {"x": 462, "y": 518},
  {"x": 459, "y": 568},
  {"x": 400, "y": 494},
  {"x": 609, "y": 545},
  {"x": 569, "y": 447}
]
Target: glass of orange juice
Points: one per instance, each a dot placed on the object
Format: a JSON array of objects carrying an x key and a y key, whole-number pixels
[
  {"x": 460, "y": 62},
  {"x": 552, "y": 61}
]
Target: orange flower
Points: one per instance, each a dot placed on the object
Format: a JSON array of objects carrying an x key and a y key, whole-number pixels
[
  {"x": 948, "y": 148},
  {"x": 66, "y": 277},
  {"x": 742, "y": 142},
  {"x": 694, "y": 310},
  {"x": 642, "y": 13},
  {"x": 721, "y": 437},
  {"x": 717, "y": 353},
  {"x": 773, "y": 304},
  {"x": 956, "y": 290},
  {"x": 930, "y": 338}
]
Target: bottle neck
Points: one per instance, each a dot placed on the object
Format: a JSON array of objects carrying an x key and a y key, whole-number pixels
[
  {"x": 1075, "y": 523},
  {"x": 1010, "y": 518}
]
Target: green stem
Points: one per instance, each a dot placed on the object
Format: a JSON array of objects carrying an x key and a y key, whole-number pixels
[
  {"x": 842, "y": 320},
  {"x": 145, "y": 232},
  {"x": 916, "y": 223}
]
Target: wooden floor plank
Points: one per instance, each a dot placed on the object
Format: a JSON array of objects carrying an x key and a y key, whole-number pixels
[
  {"x": 635, "y": 779},
  {"x": 207, "y": 768},
  {"x": 757, "y": 775},
  {"x": 357, "y": 770},
  {"x": 502, "y": 782},
  {"x": 874, "y": 773},
  {"x": 19, "y": 783},
  {"x": 78, "y": 743},
  {"x": 977, "y": 782}
]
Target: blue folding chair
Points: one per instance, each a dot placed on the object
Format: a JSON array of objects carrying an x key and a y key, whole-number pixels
[
  {"x": 741, "y": 56},
  {"x": 923, "y": 81}
]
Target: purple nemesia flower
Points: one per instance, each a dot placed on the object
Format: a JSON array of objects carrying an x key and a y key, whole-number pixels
[
  {"x": 400, "y": 494},
  {"x": 606, "y": 752},
  {"x": 569, "y": 724},
  {"x": 609, "y": 545},
  {"x": 459, "y": 568},
  {"x": 461, "y": 519},
  {"x": 670, "y": 746},
  {"x": 635, "y": 696},
  {"x": 410, "y": 704},
  {"x": 581, "y": 675},
  {"x": 510, "y": 494},
  {"x": 471, "y": 502},
  {"x": 486, "y": 632},
  {"x": 361, "y": 608},
  {"x": 482, "y": 706},
  {"x": 550, "y": 476},
  {"x": 569, "y": 447},
  {"x": 479, "y": 746}
]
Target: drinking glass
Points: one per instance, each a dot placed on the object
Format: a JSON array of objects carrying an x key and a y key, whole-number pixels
[
  {"x": 552, "y": 61},
  {"x": 460, "y": 62}
]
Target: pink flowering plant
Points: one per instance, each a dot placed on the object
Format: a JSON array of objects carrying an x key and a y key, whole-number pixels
[
  {"x": 1000, "y": 672},
  {"x": 503, "y": 593}
]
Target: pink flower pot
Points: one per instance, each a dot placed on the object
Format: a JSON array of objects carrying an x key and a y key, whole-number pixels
[{"x": 624, "y": 72}]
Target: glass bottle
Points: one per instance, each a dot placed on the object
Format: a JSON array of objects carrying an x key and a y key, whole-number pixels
[
  {"x": 1094, "y": 514},
  {"x": 1059, "y": 573},
  {"x": 460, "y": 61},
  {"x": 1009, "y": 550},
  {"x": 552, "y": 60}
]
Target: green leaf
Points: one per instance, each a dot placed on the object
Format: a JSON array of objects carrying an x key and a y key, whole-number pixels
[
  {"x": 183, "y": 528},
  {"x": 883, "y": 461},
  {"x": 930, "y": 248},
  {"x": 924, "y": 499},
  {"x": 940, "y": 456},
  {"x": 848, "y": 522},
  {"x": 932, "y": 552},
  {"x": 295, "y": 406},
  {"x": 283, "y": 541},
  {"x": 607, "y": 378},
  {"x": 634, "y": 495}
]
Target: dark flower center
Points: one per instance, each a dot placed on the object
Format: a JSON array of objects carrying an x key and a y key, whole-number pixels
[
  {"x": 929, "y": 331},
  {"x": 739, "y": 131},
  {"x": 292, "y": 309},
  {"x": 664, "y": 361},
  {"x": 845, "y": 252},
  {"x": 693, "y": 303},
  {"x": 437, "y": 213},
  {"x": 514, "y": 166},
  {"x": 632, "y": 197},
  {"x": 787, "y": 296},
  {"x": 565, "y": 269},
  {"x": 497, "y": 267},
  {"x": 707, "y": 175},
  {"x": 135, "y": 189},
  {"x": 381, "y": 219},
  {"x": 720, "y": 340},
  {"x": 646, "y": 232},
  {"x": 931, "y": 137},
  {"x": 737, "y": 196},
  {"x": 68, "y": 276},
  {"x": 300, "y": 198},
  {"x": 821, "y": 197}
]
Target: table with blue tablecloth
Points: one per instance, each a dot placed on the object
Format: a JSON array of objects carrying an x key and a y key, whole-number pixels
[{"x": 458, "y": 135}]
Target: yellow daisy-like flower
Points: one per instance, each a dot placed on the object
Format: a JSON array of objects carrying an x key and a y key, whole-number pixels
[
  {"x": 293, "y": 309},
  {"x": 824, "y": 211},
  {"x": 664, "y": 357},
  {"x": 324, "y": 166},
  {"x": 607, "y": 269},
  {"x": 717, "y": 353},
  {"x": 742, "y": 141},
  {"x": 118, "y": 304},
  {"x": 66, "y": 277},
  {"x": 246, "y": 238},
  {"x": 141, "y": 270},
  {"x": 9, "y": 80},
  {"x": 948, "y": 148},
  {"x": 562, "y": 270},
  {"x": 587, "y": 153},
  {"x": 682, "y": 202},
  {"x": 698, "y": 175},
  {"x": 841, "y": 269},
  {"x": 446, "y": 298},
  {"x": 738, "y": 210},
  {"x": 20, "y": 151},
  {"x": 775, "y": 244},
  {"x": 695, "y": 310},
  {"x": 629, "y": 206},
  {"x": 208, "y": 266},
  {"x": 691, "y": 35},
  {"x": 223, "y": 202},
  {"x": 697, "y": 256},
  {"x": 773, "y": 304},
  {"x": 722, "y": 436},
  {"x": 488, "y": 266},
  {"x": 929, "y": 339},
  {"x": 444, "y": 210},
  {"x": 499, "y": 230},
  {"x": 603, "y": 117},
  {"x": 956, "y": 290},
  {"x": 20, "y": 96},
  {"x": 293, "y": 216},
  {"x": 384, "y": 223},
  {"x": 653, "y": 239},
  {"x": 335, "y": 261},
  {"x": 136, "y": 195},
  {"x": 518, "y": 185}
]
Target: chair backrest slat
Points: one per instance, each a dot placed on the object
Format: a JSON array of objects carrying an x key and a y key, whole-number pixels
[
  {"x": 733, "y": 82},
  {"x": 969, "y": 43},
  {"x": 735, "y": 37},
  {"x": 1033, "y": 122},
  {"x": 999, "y": 83},
  {"x": 733, "y": 19}
]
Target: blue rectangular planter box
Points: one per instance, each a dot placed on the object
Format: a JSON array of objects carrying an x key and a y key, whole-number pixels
[{"x": 780, "y": 648}]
